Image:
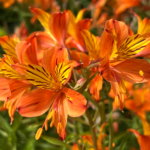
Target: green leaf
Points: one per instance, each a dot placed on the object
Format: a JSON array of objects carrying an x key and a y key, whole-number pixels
[
  {"x": 123, "y": 141},
  {"x": 36, "y": 124},
  {"x": 120, "y": 135},
  {"x": 81, "y": 121},
  {"x": 55, "y": 141}
]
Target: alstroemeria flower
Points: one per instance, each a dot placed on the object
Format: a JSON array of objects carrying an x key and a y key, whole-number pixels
[
  {"x": 122, "y": 5},
  {"x": 15, "y": 85},
  {"x": 140, "y": 104},
  {"x": 56, "y": 24},
  {"x": 115, "y": 51},
  {"x": 51, "y": 92}
]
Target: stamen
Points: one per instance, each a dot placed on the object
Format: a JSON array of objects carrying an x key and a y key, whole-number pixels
[{"x": 38, "y": 133}]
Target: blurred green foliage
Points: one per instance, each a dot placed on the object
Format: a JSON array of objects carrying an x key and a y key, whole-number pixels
[{"x": 21, "y": 134}]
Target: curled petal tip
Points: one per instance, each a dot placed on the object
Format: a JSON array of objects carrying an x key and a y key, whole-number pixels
[{"x": 11, "y": 121}]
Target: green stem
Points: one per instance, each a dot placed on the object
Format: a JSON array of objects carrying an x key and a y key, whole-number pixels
[
  {"x": 93, "y": 65},
  {"x": 92, "y": 129},
  {"x": 102, "y": 106},
  {"x": 110, "y": 127},
  {"x": 77, "y": 132},
  {"x": 88, "y": 96}
]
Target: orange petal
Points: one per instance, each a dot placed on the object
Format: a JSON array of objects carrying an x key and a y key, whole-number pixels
[
  {"x": 125, "y": 4},
  {"x": 60, "y": 115},
  {"x": 7, "y": 69},
  {"x": 142, "y": 139},
  {"x": 84, "y": 24},
  {"x": 74, "y": 30},
  {"x": 80, "y": 57},
  {"x": 80, "y": 15},
  {"x": 53, "y": 57},
  {"x": 58, "y": 26},
  {"x": 101, "y": 135},
  {"x": 146, "y": 126},
  {"x": 20, "y": 50},
  {"x": 31, "y": 51},
  {"x": 30, "y": 105},
  {"x": 44, "y": 40},
  {"x": 75, "y": 147},
  {"x": 131, "y": 105},
  {"x": 9, "y": 45},
  {"x": 75, "y": 103},
  {"x": 4, "y": 89},
  {"x": 143, "y": 25},
  {"x": 121, "y": 30},
  {"x": 88, "y": 139},
  {"x": 145, "y": 52},
  {"x": 96, "y": 86},
  {"x": 114, "y": 30},
  {"x": 18, "y": 88},
  {"x": 129, "y": 70},
  {"x": 27, "y": 50},
  {"x": 42, "y": 16},
  {"x": 72, "y": 24},
  {"x": 120, "y": 91}
]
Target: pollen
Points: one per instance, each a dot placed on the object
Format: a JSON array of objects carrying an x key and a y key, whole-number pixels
[
  {"x": 50, "y": 115},
  {"x": 38, "y": 133},
  {"x": 69, "y": 98},
  {"x": 59, "y": 128},
  {"x": 141, "y": 73}
]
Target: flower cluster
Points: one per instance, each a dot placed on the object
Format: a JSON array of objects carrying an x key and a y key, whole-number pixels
[{"x": 52, "y": 70}]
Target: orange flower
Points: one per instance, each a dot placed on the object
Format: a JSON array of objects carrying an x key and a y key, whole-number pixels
[
  {"x": 122, "y": 5},
  {"x": 14, "y": 85},
  {"x": 7, "y": 3},
  {"x": 140, "y": 103},
  {"x": 114, "y": 51},
  {"x": 60, "y": 100},
  {"x": 55, "y": 24}
]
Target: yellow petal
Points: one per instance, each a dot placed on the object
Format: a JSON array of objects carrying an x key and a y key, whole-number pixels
[
  {"x": 131, "y": 46},
  {"x": 143, "y": 25},
  {"x": 40, "y": 77},
  {"x": 80, "y": 15},
  {"x": 9, "y": 45},
  {"x": 42, "y": 16},
  {"x": 7, "y": 70},
  {"x": 63, "y": 71},
  {"x": 92, "y": 44}
]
